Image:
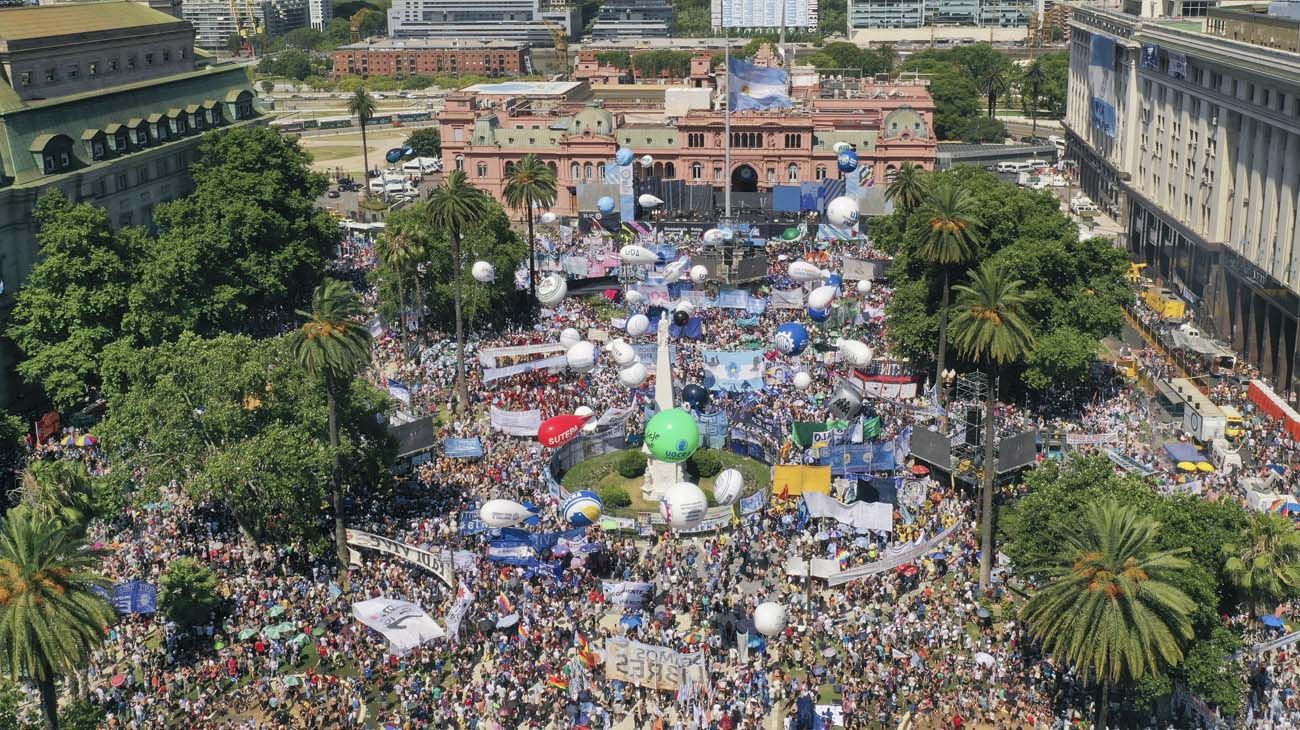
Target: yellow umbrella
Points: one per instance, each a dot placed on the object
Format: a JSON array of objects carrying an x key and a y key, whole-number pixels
[
  {"x": 1186, "y": 466},
  {"x": 1205, "y": 466}
]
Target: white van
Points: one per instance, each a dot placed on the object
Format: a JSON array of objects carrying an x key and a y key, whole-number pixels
[
  {"x": 1225, "y": 454},
  {"x": 1015, "y": 167},
  {"x": 422, "y": 165}
]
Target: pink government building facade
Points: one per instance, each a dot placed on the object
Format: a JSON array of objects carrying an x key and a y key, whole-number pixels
[{"x": 889, "y": 122}]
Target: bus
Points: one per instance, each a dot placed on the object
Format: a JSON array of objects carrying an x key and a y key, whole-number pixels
[
  {"x": 334, "y": 122},
  {"x": 295, "y": 125},
  {"x": 424, "y": 116}
]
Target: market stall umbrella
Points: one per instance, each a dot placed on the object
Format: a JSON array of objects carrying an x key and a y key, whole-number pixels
[
  {"x": 984, "y": 658},
  {"x": 1271, "y": 621},
  {"x": 276, "y": 610},
  {"x": 983, "y": 612},
  {"x": 1205, "y": 466},
  {"x": 118, "y": 680},
  {"x": 247, "y": 634},
  {"x": 1186, "y": 466},
  {"x": 920, "y": 469}
]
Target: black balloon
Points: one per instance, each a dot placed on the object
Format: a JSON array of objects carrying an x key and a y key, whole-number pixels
[
  {"x": 696, "y": 395},
  {"x": 681, "y": 318}
]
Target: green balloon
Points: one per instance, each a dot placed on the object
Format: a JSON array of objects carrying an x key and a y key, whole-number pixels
[
  {"x": 672, "y": 435},
  {"x": 790, "y": 234}
]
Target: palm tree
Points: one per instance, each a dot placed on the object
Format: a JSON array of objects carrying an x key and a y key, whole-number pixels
[
  {"x": 1034, "y": 80},
  {"x": 50, "y": 617},
  {"x": 334, "y": 345},
  {"x": 456, "y": 206},
  {"x": 402, "y": 252},
  {"x": 1109, "y": 609},
  {"x": 532, "y": 182},
  {"x": 907, "y": 191},
  {"x": 950, "y": 237},
  {"x": 991, "y": 327},
  {"x": 57, "y": 490},
  {"x": 362, "y": 106},
  {"x": 993, "y": 83},
  {"x": 1266, "y": 567}
]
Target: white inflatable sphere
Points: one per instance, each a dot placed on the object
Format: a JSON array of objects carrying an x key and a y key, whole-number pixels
[
  {"x": 584, "y": 411},
  {"x": 591, "y": 426},
  {"x": 636, "y": 255},
  {"x": 770, "y": 618},
  {"x": 622, "y": 352},
  {"x": 673, "y": 271},
  {"x": 581, "y": 356},
  {"x": 551, "y": 290},
  {"x": 548, "y": 218},
  {"x": 840, "y": 147},
  {"x": 699, "y": 273},
  {"x": 570, "y": 337},
  {"x": 842, "y": 211},
  {"x": 683, "y": 505},
  {"x": 637, "y": 325},
  {"x": 854, "y": 351},
  {"x": 484, "y": 272},
  {"x": 502, "y": 513},
  {"x": 728, "y": 487},
  {"x": 864, "y": 286},
  {"x": 804, "y": 271},
  {"x": 821, "y": 297},
  {"x": 713, "y": 235},
  {"x": 684, "y": 306},
  {"x": 802, "y": 380},
  {"x": 649, "y": 201},
  {"x": 632, "y": 375},
  {"x": 647, "y": 161}
]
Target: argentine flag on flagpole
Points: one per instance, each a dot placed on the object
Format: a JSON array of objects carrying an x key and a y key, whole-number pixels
[
  {"x": 399, "y": 391},
  {"x": 755, "y": 87}
]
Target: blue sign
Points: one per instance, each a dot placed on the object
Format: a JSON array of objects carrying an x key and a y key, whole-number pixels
[
  {"x": 471, "y": 523},
  {"x": 463, "y": 448},
  {"x": 134, "y": 596}
]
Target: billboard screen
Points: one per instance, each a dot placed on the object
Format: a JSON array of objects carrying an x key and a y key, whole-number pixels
[{"x": 764, "y": 13}]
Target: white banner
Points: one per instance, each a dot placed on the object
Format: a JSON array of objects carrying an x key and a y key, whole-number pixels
[
  {"x": 787, "y": 299},
  {"x": 892, "y": 391},
  {"x": 557, "y": 361},
  {"x": 892, "y": 559},
  {"x": 715, "y": 518},
  {"x": 613, "y": 414},
  {"x": 817, "y": 567},
  {"x": 647, "y": 665},
  {"x": 489, "y": 357},
  {"x": 1090, "y": 439},
  {"x": 855, "y": 269},
  {"x": 464, "y": 598},
  {"x": 440, "y": 565},
  {"x": 626, "y": 594},
  {"x": 516, "y": 423},
  {"x": 861, "y": 516},
  {"x": 404, "y": 624}
]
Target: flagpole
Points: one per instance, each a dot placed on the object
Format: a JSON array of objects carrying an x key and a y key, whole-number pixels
[{"x": 726, "y": 122}]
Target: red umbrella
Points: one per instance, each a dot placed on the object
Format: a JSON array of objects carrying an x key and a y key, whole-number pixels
[
  {"x": 920, "y": 469},
  {"x": 118, "y": 680}
]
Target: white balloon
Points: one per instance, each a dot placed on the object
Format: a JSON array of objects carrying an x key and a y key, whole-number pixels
[
  {"x": 552, "y": 289},
  {"x": 683, "y": 505},
  {"x": 684, "y": 306},
  {"x": 484, "y": 272},
  {"x": 584, "y": 411},
  {"x": 804, "y": 271},
  {"x": 649, "y": 201},
  {"x": 636, "y": 255},
  {"x": 591, "y": 425},
  {"x": 502, "y": 513},
  {"x": 854, "y": 352},
  {"x": 728, "y": 487},
  {"x": 802, "y": 380},
  {"x": 633, "y": 375},
  {"x": 570, "y": 337},
  {"x": 770, "y": 618},
  {"x": 699, "y": 273},
  {"x": 622, "y": 352},
  {"x": 548, "y": 218},
  {"x": 864, "y": 286},
  {"x": 821, "y": 297},
  {"x": 842, "y": 211},
  {"x": 581, "y": 356},
  {"x": 634, "y": 297},
  {"x": 840, "y": 147},
  {"x": 713, "y": 235},
  {"x": 647, "y": 161},
  {"x": 673, "y": 271},
  {"x": 637, "y": 325}
]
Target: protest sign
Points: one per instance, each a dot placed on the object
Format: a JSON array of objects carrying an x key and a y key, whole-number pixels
[
  {"x": 753, "y": 503},
  {"x": 862, "y": 516},
  {"x": 516, "y": 423},
  {"x": 464, "y": 598},
  {"x": 893, "y": 558},
  {"x": 734, "y": 371},
  {"x": 626, "y": 594},
  {"x": 647, "y": 665},
  {"x": 404, "y": 624},
  {"x": 440, "y": 564}
]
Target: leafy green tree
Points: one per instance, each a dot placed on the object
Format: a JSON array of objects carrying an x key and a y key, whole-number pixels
[
  {"x": 1265, "y": 564},
  {"x": 305, "y": 39},
  {"x": 362, "y": 106},
  {"x": 845, "y": 55},
  {"x": 234, "y": 43},
  {"x": 1061, "y": 357},
  {"x": 334, "y": 345},
  {"x": 531, "y": 183},
  {"x": 617, "y": 59},
  {"x": 957, "y": 85},
  {"x": 949, "y": 236},
  {"x": 338, "y": 32},
  {"x": 73, "y": 302},
  {"x": 1109, "y": 609},
  {"x": 832, "y": 16},
  {"x": 267, "y": 86},
  {"x": 1055, "y": 66},
  {"x": 991, "y": 327},
  {"x": 50, "y": 617},
  {"x": 82, "y": 715},
  {"x": 982, "y": 129},
  {"x": 373, "y": 23},
  {"x": 1211, "y": 672},
  {"x": 662, "y": 62},
  {"x": 403, "y": 249},
  {"x": 426, "y": 141},
  {"x": 457, "y": 206},
  {"x": 188, "y": 594},
  {"x": 907, "y": 191},
  {"x": 12, "y": 715},
  {"x": 59, "y": 491}
]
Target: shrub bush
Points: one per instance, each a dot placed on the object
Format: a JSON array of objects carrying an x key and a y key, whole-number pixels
[
  {"x": 706, "y": 463},
  {"x": 632, "y": 464},
  {"x": 615, "y": 496}
]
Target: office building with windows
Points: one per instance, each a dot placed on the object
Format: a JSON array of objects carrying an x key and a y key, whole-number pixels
[
  {"x": 1192, "y": 140},
  {"x": 619, "y": 19},
  {"x": 407, "y": 57},
  {"x": 105, "y": 102},
  {"x": 939, "y": 13},
  {"x": 319, "y": 13},
  {"x": 216, "y": 20},
  {"x": 529, "y": 21}
]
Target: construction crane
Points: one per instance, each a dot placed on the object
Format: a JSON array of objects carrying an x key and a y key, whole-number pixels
[
  {"x": 561, "y": 39},
  {"x": 246, "y": 22}
]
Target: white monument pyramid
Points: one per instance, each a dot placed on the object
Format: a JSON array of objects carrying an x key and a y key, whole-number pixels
[{"x": 659, "y": 475}]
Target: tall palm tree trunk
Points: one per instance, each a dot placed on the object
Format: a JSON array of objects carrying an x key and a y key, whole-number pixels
[
  {"x": 49, "y": 703},
  {"x": 401, "y": 313},
  {"x": 365, "y": 159},
  {"x": 462, "y": 390},
  {"x": 1104, "y": 705},
  {"x": 990, "y": 474},
  {"x": 943, "y": 339},
  {"x": 336, "y": 488},
  {"x": 532, "y": 250}
]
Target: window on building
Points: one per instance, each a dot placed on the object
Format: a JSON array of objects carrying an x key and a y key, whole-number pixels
[
  {"x": 50, "y": 74},
  {"x": 510, "y": 168},
  {"x": 793, "y": 141},
  {"x": 121, "y": 182},
  {"x": 820, "y": 174},
  {"x": 101, "y": 187},
  {"x": 119, "y": 141},
  {"x": 695, "y": 139},
  {"x": 130, "y": 63},
  {"x": 141, "y": 175},
  {"x": 148, "y": 59},
  {"x": 717, "y": 174},
  {"x": 575, "y": 171},
  {"x": 697, "y": 171},
  {"x": 141, "y": 136},
  {"x": 586, "y": 171},
  {"x": 50, "y": 164},
  {"x": 124, "y": 219},
  {"x": 71, "y": 71},
  {"x": 26, "y": 78},
  {"x": 482, "y": 169},
  {"x": 180, "y": 53},
  {"x": 92, "y": 68},
  {"x": 792, "y": 172},
  {"x": 96, "y": 150},
  {"x": 460, "y": 162},
  {"x": 167, "y": 56},
  {"x": 670, "y": 171}
]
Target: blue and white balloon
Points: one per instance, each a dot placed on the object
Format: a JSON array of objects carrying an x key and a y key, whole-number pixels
[
  {"x": 842, "y": 212},
  {"x": 847, "y": 161},
  {"x": 791, "y": 338},
  {"x": 821, "y": 297},
  {"x": 624, "y": 156},
  {"x": 818, "y": 315},
  {"x": 605, "y": 205},
  {"x": 728, "y": 487},
  {"x": 582, "y": 508}
]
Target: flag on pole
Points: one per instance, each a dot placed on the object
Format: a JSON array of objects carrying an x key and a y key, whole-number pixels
[
  {"x": 504, "y": 607},
  {"x": 399, "y": 391},
  {"x": 755, "y": 87},
  {"x": 872, "y": 428}
]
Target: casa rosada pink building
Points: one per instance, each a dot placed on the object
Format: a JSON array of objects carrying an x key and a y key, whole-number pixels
[{"x": 889, "y": 122}]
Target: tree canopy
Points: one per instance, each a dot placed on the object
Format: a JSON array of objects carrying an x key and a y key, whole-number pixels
[
  {"x": 957, "y": 78},
  {"x": 427, "y": 142}
]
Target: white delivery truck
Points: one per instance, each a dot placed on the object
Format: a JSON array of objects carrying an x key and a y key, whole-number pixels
[
  {"x": 1225, "y": 454},
  {"x": 1202, "y": 420}
]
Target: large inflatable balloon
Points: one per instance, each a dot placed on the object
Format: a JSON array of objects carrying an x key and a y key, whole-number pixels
[
  {"x": 681, "y": 318},
  {"x": 621, "y": 352},
  {"x": 647, "y": 161},
  {"x": 637, "y": 325},
  {"x": 570, "y": 337},
  {"x": 584, "y": 411},
  {"x": 842, "y": 212},
  {"x": 819, "y": 315},
  {"x": 559, "y": 430},
  {"x": 804, "y": 271},
  {"x": 393, "y": 155},
  {"x": 728, "y": 487},
  {"x": 684, "y": 306},
  {"x": 624, "y": 156},
  {"x": 633, "y": 297},
  {"x": 854, "y": 352},
  {"x": 847, "y": 161},
  {"x": 548, "y": 218},
  {"x": 605, "y": 205},
  {"x": 713, "y": 235},
  {"x": 770, "y": 618},
  {"x": 636, "y": 255},
  {"x": 697, "y": 395},
  {"x": 633, "y": 375},
  {"x": 683, "y": 505},
  {"x": 840, "y": 147},
  {"x": 649, "y": 201},
  {"x": 791, "y": 338},
  {"x": 483, "y": 272},
  {"x": 582, "y": 508},
  {"x": 581, "y": 356},
  {"x": 821, "y": 297},
  {"x": 503, "y": 513},
  {"x": 846, "y": 401},
  {"x": 673, "y": 271},
  {"x": 835, "y": 280},
  {"x": 672, "y": 435},
  {"x": 864, "y": 286},
  {"x": 699, "y": 273},
  {"x": 551, "y": 290},
  {"x": 802, "y": 380}
]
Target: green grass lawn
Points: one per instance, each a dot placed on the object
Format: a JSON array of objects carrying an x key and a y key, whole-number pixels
[{"x": 602, "y": 472}]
